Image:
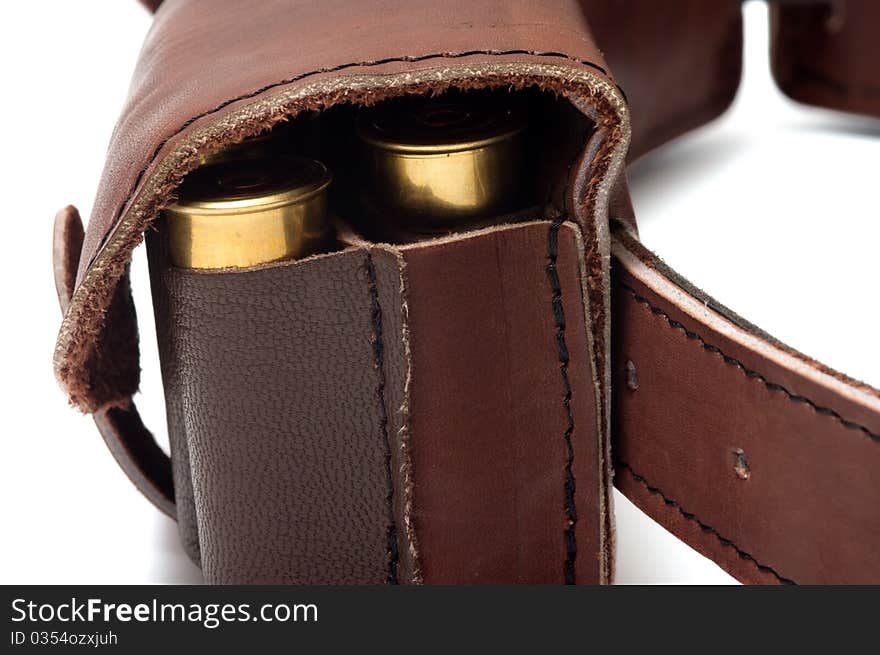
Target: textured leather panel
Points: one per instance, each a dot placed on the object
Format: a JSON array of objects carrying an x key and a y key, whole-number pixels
[
  {"x": 752, "y": 454},
  {"x": 826, "y": 54},
  {"x": 282, "y": 414},
  {"x": 494, "y": 412},
  {"x": 679, "y": 62}
]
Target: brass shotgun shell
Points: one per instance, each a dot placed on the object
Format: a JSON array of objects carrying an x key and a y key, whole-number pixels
[
  {"x": 437, "y": 163},
  {"x": 234, "y": 214}
]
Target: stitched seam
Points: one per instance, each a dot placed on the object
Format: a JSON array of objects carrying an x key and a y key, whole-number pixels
[
  {"x": 706, "y": 528},
  {"x": 378, "y": 354},
  {"x": 749, "y": 373},
  {"x": 333, "y": 69},
  {"x": 562, "y": 352}
]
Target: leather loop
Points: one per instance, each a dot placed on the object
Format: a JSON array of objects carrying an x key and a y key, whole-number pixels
[
  {"x": 131, "y": 444},
  {"x": 138, "y": 455},
  {"x": 67, "y": 240}
]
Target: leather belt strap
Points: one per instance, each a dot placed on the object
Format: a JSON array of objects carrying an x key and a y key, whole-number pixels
[{"x": 759, "y": 457}]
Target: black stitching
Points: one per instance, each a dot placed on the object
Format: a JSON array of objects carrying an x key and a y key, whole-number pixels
[
  {"x": 749, "y": 373},
  {"x": 333, "y": 69},
  {"x": 378, "y": 354},
  {"x": 562, "y": 351},
  {"x": 706, "y": 528}
]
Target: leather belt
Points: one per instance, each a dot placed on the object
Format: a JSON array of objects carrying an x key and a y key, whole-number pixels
[{"x": 757, "y": 456}]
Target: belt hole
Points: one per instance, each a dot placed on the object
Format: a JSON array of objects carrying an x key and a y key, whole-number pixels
[
  {"x": 632, "y": 376},
  {"x": 741, "y": 464}
]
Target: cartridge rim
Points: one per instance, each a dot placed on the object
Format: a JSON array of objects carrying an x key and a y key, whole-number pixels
[
  {"x": 410, "y": 126},
  {"x": 236, "y": 214},
  {"x": 442, "y": 163},
  {"x": 259, "y": 184}
]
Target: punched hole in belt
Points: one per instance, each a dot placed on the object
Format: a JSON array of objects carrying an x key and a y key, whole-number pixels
[{"x": 741, "y": 464}]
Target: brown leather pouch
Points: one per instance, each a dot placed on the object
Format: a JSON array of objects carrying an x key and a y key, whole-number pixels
[
  {"x": 824, "y": 53},
  {"x": 444, "y": 411}
]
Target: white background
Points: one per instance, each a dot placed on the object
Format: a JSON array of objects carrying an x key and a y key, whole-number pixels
[{"x": 773, "y": 210}]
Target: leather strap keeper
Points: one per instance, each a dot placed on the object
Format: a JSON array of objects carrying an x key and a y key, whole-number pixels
[{"x": 448, "y": 412}]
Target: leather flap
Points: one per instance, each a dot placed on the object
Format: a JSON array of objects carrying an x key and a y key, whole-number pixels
[
  {"x": 635, "y": 36},
  {"x": 211, "y": 74}
]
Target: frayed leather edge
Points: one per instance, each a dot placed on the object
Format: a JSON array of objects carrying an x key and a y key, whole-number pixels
[
  {"x": 813, "y": 368},
  {"x": 402, "y": 438}
]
